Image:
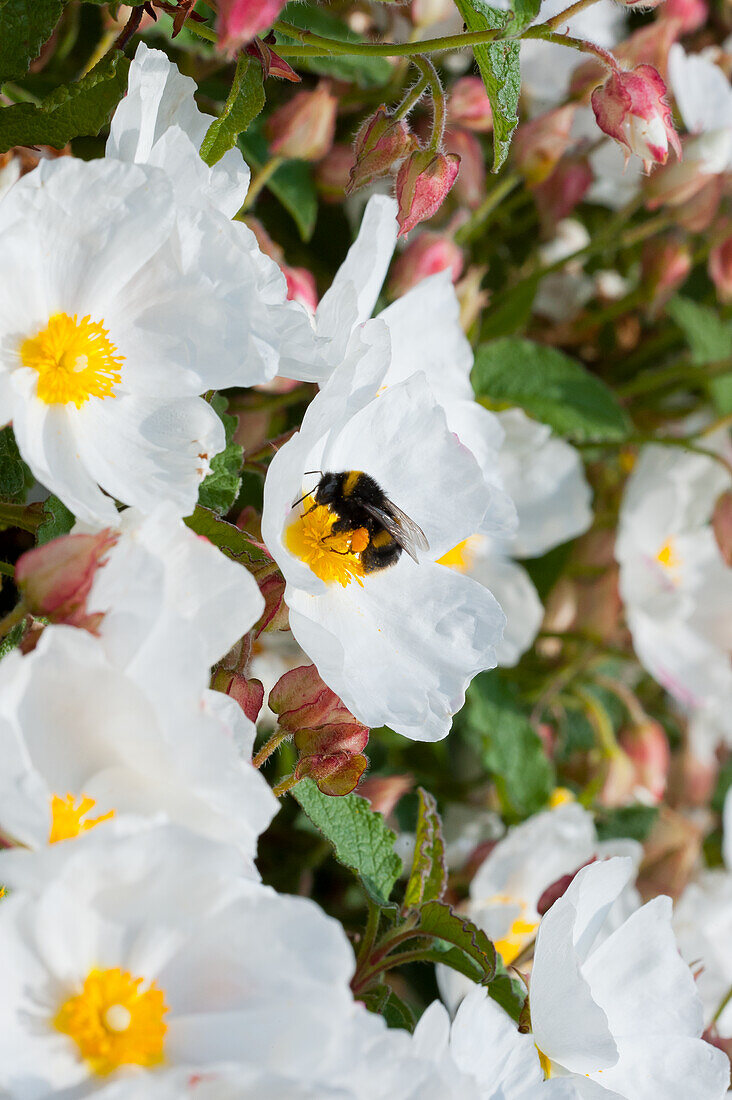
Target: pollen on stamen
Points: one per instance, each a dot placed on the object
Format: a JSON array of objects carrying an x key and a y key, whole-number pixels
[
  {"x": 75, "y": 360},
  {"x": 332, "y": 558},
  {"x": 69, "y": 819}
]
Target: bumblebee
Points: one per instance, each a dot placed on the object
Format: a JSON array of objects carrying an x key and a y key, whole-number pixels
[{"x": 381, "y": 530}]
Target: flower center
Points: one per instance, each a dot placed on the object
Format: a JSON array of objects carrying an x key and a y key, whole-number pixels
[
  {"x": 67, "y": 818},
  {"x": 545, "y": 1063},
  {"x": 462, "y": 556},
  {"x": 518, "y": 935},
  {"x": 331, "y": 557},
  {"x": 560, "y": 796},
  {"x": 668, "y": 558},
  {"x": 113, "y": 1022},
  {"x": 75, "y": 360}
]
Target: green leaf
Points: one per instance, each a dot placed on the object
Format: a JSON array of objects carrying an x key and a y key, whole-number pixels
[
  {"x": 12, "y": 639},
  {"x": 710, "y": 340},
  {"x": 428, "y": 877},
  {"x": 383, "y": 1001},
  {"x": 524, "y": 12},
  {"x": 58, "y": 520},
  {"x": 499, "y": 67},
  {"x": 508, "y": 746},
  {"x": 550, "y": 386},
  {"x": 244, "y": 102},
  {"x": 365, "y": 72},
  {"x": 70, "y": 111},
  {"x": 230, "y": 540},
  {"x": 292, "y": 183},
  {"x": 633, "y": 822},
  {"x": 437, "y": 919},
  {"x": 24, "y": 27},
  {"x": 15, "y": 477},
  {"x": 510, "y": 314},
  {"x": 361, "y": 840},
  {"x": 220, "y": 489}
]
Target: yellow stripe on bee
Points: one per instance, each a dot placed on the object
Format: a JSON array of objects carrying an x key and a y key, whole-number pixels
[
  {"x": 383, "y": 538},
  {"x": 352, "y": 480}
]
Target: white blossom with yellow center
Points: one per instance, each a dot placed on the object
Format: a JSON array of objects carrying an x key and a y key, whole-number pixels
[
  {"x": 128, "y": 958},
  {"x": 398, "y": 645}
]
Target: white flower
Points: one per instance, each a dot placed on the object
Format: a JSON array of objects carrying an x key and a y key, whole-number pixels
[
  {"x": 400, "y": 644},
  {"x": 101, "y": 353},
  {"x": 85, "y": 744},
  {"x": 544, "y": 477},
  {"x": 622, "y": 1018},
  {"x": 506, "y": 888},
  {"x": 703, "y": 96},
  {"x": 130, "y": 955},
  {"x": 257, "y": 331},
  {"x": 482, "y": 1056},
  {"x": 674, "y": 582}
]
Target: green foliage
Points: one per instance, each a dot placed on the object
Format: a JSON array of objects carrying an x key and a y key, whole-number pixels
[
  {"x": 510, "y": 314},
  {"x": 360, "y": 838},
  {"x": 58, "y": 520},
  {"x": 71, "y": 110},
  {"x": 632, "y": 822},
  {"x": 220, "y": 489},
  {"x": 438, "y": 920},
  {"x": 244, "y": 102},
  {"x": 382, "y": 1000},
  {"x": 15, "y": 477},
  {"x": 236, "y": 544},
  {"x": 24, "y": 27},
  {"x": 508, "y": 746},
  {"x": 524, "y": 12},
  {"x": 550, "y": 386},
  {"x": 292, "y": 183},
  {"x": 499, "y": 67},
  {"x": 428, "y": 877},
  {"x": 365, "y": 72},
  {"x": 12, "y": 639},
  {"x": 710, "y": 340}
]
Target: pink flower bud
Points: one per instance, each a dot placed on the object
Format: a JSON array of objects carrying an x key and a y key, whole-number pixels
[
  {"x": 271, "y": 62},
  {"x": 619, "y": 782},
  {"x": 301, "y": 700},
  {"x": 558, "y": 889},
  {"x": 646, "y": 745},
  {"x": 265, "y": 242},
  {"x": 720, "y": 269},
  {"x": 384, "y": 791},
  {"x": 240, "y": 20},
  {"x": 469, "y": 105},
  {"x": 249, "y": 694},
  {"x": 470, "y": 183},
  {"x": 630, "y": 108},
  {"x": 722, "y": 526},
  {"x": 301, "y": 286},
  {"x": 304, "y": 126},
  {"x": 690, "y": 15},
  {"x": 332, "y": 172},
  {"x": 540, "y": 144},
  {"x": 429, "y": 253},
  {"x": 422, "y": 184},
  {"x": 665, "y": 266},
  {"x": 558, "y": 195},
  {"x": 55, "y": 579},
  {"x": 381, "y": 144}
]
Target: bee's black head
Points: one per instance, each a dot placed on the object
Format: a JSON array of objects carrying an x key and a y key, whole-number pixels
[{"x": 328, "y": 488}]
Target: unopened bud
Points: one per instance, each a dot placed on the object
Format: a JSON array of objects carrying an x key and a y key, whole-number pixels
[
  {"x": 619, "y": 782},
  {"x": 304, "y": 126},
  {"x": 469, "y": 105},
  {"x": 646, "y": 745},
  {"x": 565, "y": 188},
  {"x": 720, "y": 269},
  {"x": 240, "y": 20},
  {"x": 301, "y": 286},
  {"x": 332, "y": 172},
  {"x": 472, "y": 296},
  {"x": 630, "y": 108},
  {"x": 429, "y": 253},
  {"x": 558, "y": 889},
  {"x": 470, "y": 184},
  {"x": 55, "y": 579},
  {"x": 539, "y": 144},
  {"x": 381, "y": 145},
  {"x": 301, "y": 700},
  {"x": 665, "y": 266},
  {"x": 422, "y": 185},
  {"x": 689, "y": 15},
  {"x": 249, "y": 694}
]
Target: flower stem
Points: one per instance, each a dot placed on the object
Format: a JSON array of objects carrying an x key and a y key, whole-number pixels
[
  {"x": 260, "y": 179},
  {"x": 563, "y": 16},
  {"x": 314, "y": 45},
  {"x": 285, "y": 785},
  {"x": 130, "y": 28},
  {"x": 580, "y": 44},
  {"x": 18, "y": 515},
  {"x": 269, "y": 747},
  {"x": 439, "y": 101},
  {"x": 12, "y": 619},
  {"x": 412, "y": 98},
  {"x": 492, "y": 200}
]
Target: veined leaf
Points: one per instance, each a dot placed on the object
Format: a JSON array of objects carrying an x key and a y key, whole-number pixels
[
  {"x": 220, "y": 489},
  {"x": 15, "y": 477},
  {"x": 428, "y": 877},
  {"x": 230, "y": 540},
  {"x": 244, "y": 102},
  {"x": 57, "y": 520},
  {"x": 24, "y": 27}
]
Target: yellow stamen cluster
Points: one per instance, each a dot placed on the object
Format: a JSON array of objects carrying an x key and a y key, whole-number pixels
[
  {"x": 668, "y": 558},
  {"x": 67, "y": 818},
  {"x": 462, "y": 556},
  {"x": 517, "y": 937},
  {"x": 545, "y": 1063},
  {"x": 331, "y": 557},
  {"x": 114, "y": 1023},
  {"x": 75, "y": 360}
]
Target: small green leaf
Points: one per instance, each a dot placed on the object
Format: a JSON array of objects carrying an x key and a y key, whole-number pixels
[
  {"x": 12, "y": 639},
  {"x": 437, "y": 919},
  {"x": 244, "y": 102},
  {"x": 510, "y": 314},
  {"x": 524, "y": 12},
  {"x": 361, "y": 840},
  {"x": 230, "y": 540},
  {"x": 499, "y": 67},
  {"x": 633, "y": 822},
  {"x": 220, "y": 489},
  {"x": 359, "y": 69},
  {"x": 15, "y": 477},
  {"x": 70, "y": 111},
  {"x": 58, "y": 520},
  {"x": 292, "y": 183},
  {"x": 710, "y": 340},
  {"x": 428, "y": 877},
  {"x": 24, "y": 27},
  {"x": 508, "y": 746},
  {"x": 550, "y": 386}
]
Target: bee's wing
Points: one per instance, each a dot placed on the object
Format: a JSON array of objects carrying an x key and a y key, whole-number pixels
[{"x": 402, "y": 529}]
